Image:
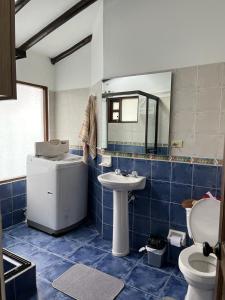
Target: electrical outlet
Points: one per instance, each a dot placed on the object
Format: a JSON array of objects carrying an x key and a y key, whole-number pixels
[{"x": 177, "y": 144}]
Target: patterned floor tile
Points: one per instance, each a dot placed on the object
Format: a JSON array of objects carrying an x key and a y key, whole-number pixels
[
  {"x": 114, "y": 266},
  {"x": 147, "y": 279},
  {"x": 63, "y": 247},
  {"x": 175, "y": 288},
  {"x": 87, "y": 255}
]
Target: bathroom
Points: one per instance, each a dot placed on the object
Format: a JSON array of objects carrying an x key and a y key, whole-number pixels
[{"x": 159, "y": 97}]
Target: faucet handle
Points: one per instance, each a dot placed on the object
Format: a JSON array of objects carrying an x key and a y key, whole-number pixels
[
  {"x": 134, "y": 173},
  {"x": 117, "y": 172}
]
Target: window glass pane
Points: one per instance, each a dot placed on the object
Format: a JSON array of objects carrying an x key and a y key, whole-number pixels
[
  {"x": 130, "y": 110},
  {"x": 116, "y": 116},
  {"x": 21, "y": 125},
  {"x": 116, "y": 105}
]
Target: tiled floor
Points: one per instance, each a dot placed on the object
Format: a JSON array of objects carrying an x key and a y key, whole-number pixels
[{"x": 53, "y": 256}]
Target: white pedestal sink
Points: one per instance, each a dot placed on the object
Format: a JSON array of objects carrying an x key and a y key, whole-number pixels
[{"x": 120, "y": 186}]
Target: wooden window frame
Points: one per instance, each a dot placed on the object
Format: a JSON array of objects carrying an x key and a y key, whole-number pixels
[
  {"x": 45, "y": 117},
  {"x": 119, "y": 100}
]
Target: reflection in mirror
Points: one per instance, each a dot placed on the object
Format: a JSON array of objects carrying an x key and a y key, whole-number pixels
[{"x": 138, "y": 113}]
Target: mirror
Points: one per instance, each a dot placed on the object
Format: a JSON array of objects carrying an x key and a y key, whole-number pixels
[{"x": 137, "y": 113}]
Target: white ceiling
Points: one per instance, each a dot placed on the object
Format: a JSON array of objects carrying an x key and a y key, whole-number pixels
[{"x": 38, "y": 13}]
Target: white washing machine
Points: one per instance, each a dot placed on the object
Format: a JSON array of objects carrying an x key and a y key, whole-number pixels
[{"x": 56, "y": 192}]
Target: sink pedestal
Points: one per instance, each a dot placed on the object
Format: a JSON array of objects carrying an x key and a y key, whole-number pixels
[{"x": 120, "y": 224}]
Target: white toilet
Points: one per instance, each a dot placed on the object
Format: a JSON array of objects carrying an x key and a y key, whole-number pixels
[{"x": 198, "y": 270}]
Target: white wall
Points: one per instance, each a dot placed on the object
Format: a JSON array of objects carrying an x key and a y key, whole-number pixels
[
  {"x": 97, "y": 47},
  {"x": 74, "y": 71},
  {"x": 36, "y": 68},
  {"x": 67, "y": 113},
  {"x": 148, "y": 35}
]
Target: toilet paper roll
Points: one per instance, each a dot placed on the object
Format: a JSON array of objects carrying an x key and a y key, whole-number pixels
[{"x": 175, "y": 241}]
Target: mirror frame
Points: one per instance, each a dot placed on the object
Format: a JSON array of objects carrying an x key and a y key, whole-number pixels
[{"x": 109, "y": 96}]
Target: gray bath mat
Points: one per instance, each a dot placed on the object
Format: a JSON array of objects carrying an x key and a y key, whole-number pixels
[{"x": 84, "y": 283}]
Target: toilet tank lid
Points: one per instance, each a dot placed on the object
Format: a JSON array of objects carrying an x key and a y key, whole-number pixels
[{"x": 204, "y": 221}]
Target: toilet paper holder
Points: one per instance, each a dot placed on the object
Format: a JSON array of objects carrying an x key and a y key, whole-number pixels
[{"x": 176, "y": 238}]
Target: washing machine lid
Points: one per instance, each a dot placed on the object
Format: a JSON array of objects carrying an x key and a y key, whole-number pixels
[{"x": 204, "y": 221}]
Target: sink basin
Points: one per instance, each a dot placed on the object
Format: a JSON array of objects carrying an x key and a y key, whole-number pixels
[
  {"x": 122, "y": 183},
  {"x": 120, "y": 186}
]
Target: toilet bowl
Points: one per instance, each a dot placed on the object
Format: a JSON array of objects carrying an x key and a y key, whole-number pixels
[{"x": 198, "y": 270}]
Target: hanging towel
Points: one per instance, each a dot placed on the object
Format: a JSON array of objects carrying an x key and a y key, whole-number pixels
[{"x": 88, "y": 132}]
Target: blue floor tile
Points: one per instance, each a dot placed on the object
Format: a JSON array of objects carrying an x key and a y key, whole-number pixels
[
  {"x": 167, "y": 267},
  {"x": 87, "y": 255},
  {"x": 86, "y": 246},
  {"x": 147, "y": 279},
  {"x": 175, "y": 288},
  {"x": 31, "y": 235},
  {"x": 134, "y": 256},
  {"x": 45, "y": 291},
  {"x": 115, "y": 266},
  {"x": 177, "y": 273},
  {"x": 101, "y": 243},
  {"x": 52, "y": 272},
  {"x": 23, "y": 249},
  {"x": 82, "y": 234},
  {"x": 9, "y": 240},
  {"x": 43, "y": 259},
  {"x": 63, "y": 247},
  {"x": 133, "y": 294}
]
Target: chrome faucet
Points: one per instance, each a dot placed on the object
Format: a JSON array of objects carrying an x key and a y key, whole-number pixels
[
  {"x": 117, "y": 172},
  {"x": 134, "y": 174}
]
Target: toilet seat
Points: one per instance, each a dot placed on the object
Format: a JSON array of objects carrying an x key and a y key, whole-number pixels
[{"x": 196, "y": 266}]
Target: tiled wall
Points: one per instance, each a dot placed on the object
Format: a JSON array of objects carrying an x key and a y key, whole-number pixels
[
  {"x": 158, "y": 207},
  {"x": 13, "y": 202},
  {"x": 198, "y": 110}
]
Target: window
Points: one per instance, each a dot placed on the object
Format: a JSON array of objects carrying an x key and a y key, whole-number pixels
[
  {"x": 123, "y": 110},
  {"x": 22, "y": 123}
]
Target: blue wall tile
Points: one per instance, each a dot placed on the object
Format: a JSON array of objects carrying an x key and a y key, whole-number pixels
[
  {"x": 205, "y": 176},
  {"x": 143, "y": 167},
  {"x": 160, "y": 210},
  {"x": 156, "y": 208},
  {"x": 5, "y": 191},
  {"x": 219, "y": 177},
  {"x": 107, "y": 232},
  {"x": 160, "y": 190},
  {"x": 146, "y": 192},
  {"x": 177, "y": 214},
  {"x": 139, "y": 240},
  {"x": 142, "y": 206},
  {"x": 182, "y": 173},
  {"x": 12, "y": 199},
  {"x": 6, "y": 206},
  {"x": 198, "y": 192},
  {"x": 107, "y": 198},
  {"x": 161, "y": 170},
  {"x": 126, "y": 164},
  {"x": 159, "y": 228},
  {"x": 7, "y": 220},
  {"x": 18, "y": 216},
  {"x": 108, "y": 216},
  {"x": 19, "y": 187},
  {"x": 19, "y": 202},
  {"x": 141, "y": 225},
  {"x": 180, "y": 192}
]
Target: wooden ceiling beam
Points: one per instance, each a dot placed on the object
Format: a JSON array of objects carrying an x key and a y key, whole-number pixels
[
  {"x": 66, "y": 16},
  {"x": 71, "y": 50},
  {"x": 20, "y": 54},
  {"x": 20, "y": 4}
]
